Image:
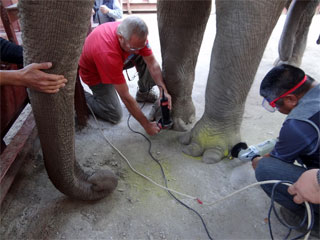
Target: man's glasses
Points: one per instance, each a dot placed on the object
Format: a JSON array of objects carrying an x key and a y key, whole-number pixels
[
  {"x": 267, "y": 106},
  {"x": 134, "y": 49}
]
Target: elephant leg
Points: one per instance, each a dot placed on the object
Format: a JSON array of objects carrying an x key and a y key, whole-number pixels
[
  {"x": 55, "y": 31},
  {"x": 293, "y": 39},
  {"x": 243, "y": 30},
  {"x": 181, "y": 28}
]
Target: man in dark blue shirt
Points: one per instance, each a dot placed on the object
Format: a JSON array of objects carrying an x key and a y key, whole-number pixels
[{"x": 290, "y": 91}]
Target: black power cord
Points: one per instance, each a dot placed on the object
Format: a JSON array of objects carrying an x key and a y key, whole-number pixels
[
  {"x": 165, "y": 178},
  {"x": 302, "y": 223}
]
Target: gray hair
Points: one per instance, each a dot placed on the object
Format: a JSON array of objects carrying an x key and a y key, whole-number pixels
[{"x": 133, "y": 26}]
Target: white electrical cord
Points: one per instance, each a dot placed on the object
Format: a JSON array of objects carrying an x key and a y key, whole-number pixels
[{"x": 195, "y": 198}]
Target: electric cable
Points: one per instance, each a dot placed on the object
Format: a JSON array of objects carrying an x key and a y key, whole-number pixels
[
  {"x": 309, "y": 210},
  {"x": 165, "y": 178},
  {"x": 308, "y": 214}
]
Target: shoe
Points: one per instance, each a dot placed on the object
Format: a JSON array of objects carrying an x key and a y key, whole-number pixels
[
  {"x": 149, "y": 96},
  {"x": 293, "y": 219}
]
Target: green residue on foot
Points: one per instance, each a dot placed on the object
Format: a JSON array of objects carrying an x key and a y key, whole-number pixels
[
  {"x": 207, "y": 140},
  {"x": 195, "y": 158}
]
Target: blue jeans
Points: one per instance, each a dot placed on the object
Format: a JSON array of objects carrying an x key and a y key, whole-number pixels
[{"x": 270, "y": 168}]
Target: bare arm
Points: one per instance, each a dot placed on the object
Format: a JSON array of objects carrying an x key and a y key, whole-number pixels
[
  {"x": 31, "y": 76},
  {"x": 150, "y": 127},
  {"x": 156, "y": 74}
]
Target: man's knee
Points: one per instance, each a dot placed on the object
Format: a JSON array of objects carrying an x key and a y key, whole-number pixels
[
  {"x": 116, "y": 117},
  {"x": 110, "y": 114},
  {"x": 262, "y": 170}
]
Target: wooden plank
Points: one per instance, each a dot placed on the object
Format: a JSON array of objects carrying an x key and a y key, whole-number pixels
[
  {"x": 8, "y": 27},
  {"x": 13, "y": 99},
  {"x": 131, "y": 6},
  {"x": 15, "y": 154}
]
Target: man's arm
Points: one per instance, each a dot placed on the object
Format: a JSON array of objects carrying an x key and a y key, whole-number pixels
[
  {"x": 307, "y": 188},
  {"x": 150, "y": 127},
  {"x": 156, "y": 74},
  {"x": 31, "y": 76}
]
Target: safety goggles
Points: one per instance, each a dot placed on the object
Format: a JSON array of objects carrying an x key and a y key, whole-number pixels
[
  {"x": 134, "y": 49},
  {"x": 271, "y": 106}
]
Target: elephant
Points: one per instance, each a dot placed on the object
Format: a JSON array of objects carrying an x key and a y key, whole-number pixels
[
  {"x": 242, "y": 32},
  {"x": 54, "y": 31},
  {"x": 293, "y": 40}
]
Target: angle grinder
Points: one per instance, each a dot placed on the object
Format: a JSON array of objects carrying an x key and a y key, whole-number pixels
[{"x": 245, "y": 153}]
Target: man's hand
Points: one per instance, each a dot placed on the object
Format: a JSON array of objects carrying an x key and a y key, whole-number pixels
[
  {"x": 34, "y": 78},
  {"x": 31, "y": 76},
  {"x": 255, "y": 161},
  {"x": 169, "y": 98},
  {"x": 104, "y": 9},
  {"x": 306, "y": 188},
  {"x": 152, "y": 128}
]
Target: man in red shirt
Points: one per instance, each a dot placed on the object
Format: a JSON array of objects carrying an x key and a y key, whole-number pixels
[{"x": 109, "y": 49}]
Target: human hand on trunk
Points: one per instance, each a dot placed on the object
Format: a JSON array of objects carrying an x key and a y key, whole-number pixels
[{"x": 32, "y": 77}]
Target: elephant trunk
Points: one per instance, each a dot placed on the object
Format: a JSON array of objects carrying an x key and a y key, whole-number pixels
[{"x": 54, "y": 31}]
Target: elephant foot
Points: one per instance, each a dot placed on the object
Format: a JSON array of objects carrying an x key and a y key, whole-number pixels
[
  {"x": 103, "y": 180},
  {"x": 211, "y": 143},
  {"x": 183, "y": 115}
]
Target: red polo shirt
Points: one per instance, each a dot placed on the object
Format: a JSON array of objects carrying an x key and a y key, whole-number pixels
[{"x": 102, "y": 58}]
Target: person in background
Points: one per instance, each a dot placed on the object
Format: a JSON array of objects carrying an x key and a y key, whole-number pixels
[{"x": 106, "y": 11}]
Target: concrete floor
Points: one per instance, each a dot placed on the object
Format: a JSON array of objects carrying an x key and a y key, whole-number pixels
[{"x": 34, "y": 209}]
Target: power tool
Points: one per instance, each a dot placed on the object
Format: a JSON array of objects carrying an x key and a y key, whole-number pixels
[
  {"x": 165, "y": 120},
  {"x": 245, "y": 153}
]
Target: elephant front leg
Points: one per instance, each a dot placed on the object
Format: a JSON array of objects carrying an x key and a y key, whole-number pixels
[
  {"x": 181, "y": 28},
  {"x": 243, "y": 30}
]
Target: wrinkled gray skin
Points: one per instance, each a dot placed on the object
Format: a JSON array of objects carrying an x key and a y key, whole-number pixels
[
  {"x": 55, "y": 31},
  {"x": 243, "y": 30},
  {"x": 294, "y": 36}
]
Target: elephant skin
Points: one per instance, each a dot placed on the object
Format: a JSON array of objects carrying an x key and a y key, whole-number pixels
[
  {"x": 294, "y": 36},
  {"x": 54, "y": 31},
  {"x": 243, "y": 29}
]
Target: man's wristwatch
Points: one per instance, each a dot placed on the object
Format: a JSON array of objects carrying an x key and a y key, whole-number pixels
[{"x": 318, "y": 176}]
